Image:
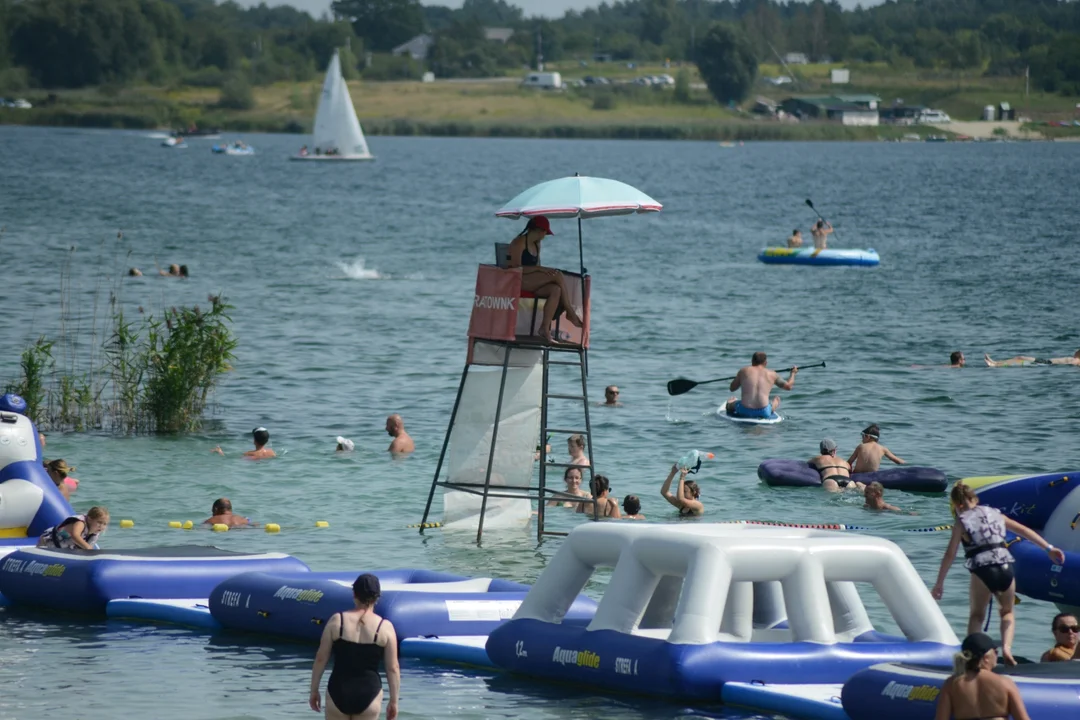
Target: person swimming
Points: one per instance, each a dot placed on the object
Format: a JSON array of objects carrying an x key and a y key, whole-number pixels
[
  {"x": 687, "y": 497},
  {"x": 606, "y": 506},
  {"x": 1021, "y": 360},
  {"x": 632, "y": 508},
  {"x": 835, "y": 473}
]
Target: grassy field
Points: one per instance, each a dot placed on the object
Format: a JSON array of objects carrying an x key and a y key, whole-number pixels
[{"x": 499, "y": 107}]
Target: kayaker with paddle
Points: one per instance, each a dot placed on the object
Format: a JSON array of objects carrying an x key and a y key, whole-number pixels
[
  {"x": 756, "y": 381},
  {"x": 821, "y": 231}
]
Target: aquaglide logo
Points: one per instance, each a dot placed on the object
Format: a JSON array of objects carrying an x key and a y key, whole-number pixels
[
  {"x": 900, "y": 691},
  {"x": 290, "y": 593},
  {"x": 581, "y": 658}
]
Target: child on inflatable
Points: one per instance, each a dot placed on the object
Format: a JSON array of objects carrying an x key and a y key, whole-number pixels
[
  {"x": 868, "y": 454},
  {"x": 77, "y": 531}
]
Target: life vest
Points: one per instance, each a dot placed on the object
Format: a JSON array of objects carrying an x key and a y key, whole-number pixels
[{"x": 59, "y": 537}]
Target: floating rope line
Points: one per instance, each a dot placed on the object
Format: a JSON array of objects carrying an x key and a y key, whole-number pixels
[
  {"x": 426, "y": 526},
  {"x": 829, "y": 526}
]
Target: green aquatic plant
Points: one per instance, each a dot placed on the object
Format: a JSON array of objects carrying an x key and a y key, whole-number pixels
[{"x": 35, "y": 364}]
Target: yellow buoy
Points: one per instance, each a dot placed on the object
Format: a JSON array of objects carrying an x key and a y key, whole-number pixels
[
  {"x": 321, "y": 524},
  {"x": 273, "y": 528},
  {"x": 127, "y": 523},
  {"x": 188, "y": 525},
  {"x": 220, "y": 527},
  {"x": 176, "y": 524}
]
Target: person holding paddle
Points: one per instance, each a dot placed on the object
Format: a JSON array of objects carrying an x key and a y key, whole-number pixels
[
  {"x": 756, "y": 381},
  {"x": 821, "y": 231}
]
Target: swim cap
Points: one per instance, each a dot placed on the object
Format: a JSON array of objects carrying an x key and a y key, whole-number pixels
[
  {"x": 827, "y": 445},
  {"x": 345, "y": 443}
]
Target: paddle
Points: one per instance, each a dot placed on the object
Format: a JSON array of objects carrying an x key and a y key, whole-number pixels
[
  {"x": 811, "y": 206},
  {"x": 679, "y": 386}
]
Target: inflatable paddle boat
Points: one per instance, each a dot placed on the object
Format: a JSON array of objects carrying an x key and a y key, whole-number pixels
[
  {"x": 1049, "y": 504},
  {"x": 810, "y": 256},
  {"x": 901, "y": 691},
  {"x": 800, "y": 473},
  {"x": 691, "y": 609}
]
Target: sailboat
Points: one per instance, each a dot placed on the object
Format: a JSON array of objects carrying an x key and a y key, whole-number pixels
[{"x": 337, "y": 131}]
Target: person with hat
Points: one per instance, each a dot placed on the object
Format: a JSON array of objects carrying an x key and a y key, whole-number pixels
[
  {"x": 543, "y": 282},
  {"x": 868, "y": 454},
  {"x": 974, "y": 690},
  {"x": 261, "y": 436},
  {"x": 835, "y": 472},
  {"x": 358, "y": 639}
]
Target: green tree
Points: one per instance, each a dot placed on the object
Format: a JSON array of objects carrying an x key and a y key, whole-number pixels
[
  {"x": 382, "y": 24},
  {"x": 727, "y": 63}
]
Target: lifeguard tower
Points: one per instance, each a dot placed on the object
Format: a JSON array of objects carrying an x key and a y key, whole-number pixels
[{"x": 501, "y": 420}]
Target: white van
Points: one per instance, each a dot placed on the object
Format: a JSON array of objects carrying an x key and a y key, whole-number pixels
[
  {"x": 934, "y": 117},
  {"x": 547, "y": 81}
]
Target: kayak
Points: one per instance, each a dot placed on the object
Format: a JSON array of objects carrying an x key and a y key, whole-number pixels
[
  {"x": 810, "y": 256},
  {"x": 232, "y": 150}
]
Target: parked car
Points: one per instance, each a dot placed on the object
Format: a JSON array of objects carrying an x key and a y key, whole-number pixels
[
  {"x": 664, "y": 79},
  {"x": 934, "y": 117}
]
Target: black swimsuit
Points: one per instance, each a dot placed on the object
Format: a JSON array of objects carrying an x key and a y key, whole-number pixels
[
  {"x": 527, "y": 258},
  {"x": 355, "y": 681},
  {"x": 841, "y": 480}
]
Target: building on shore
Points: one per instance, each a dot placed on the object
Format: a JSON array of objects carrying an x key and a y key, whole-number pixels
[{"x": 854, "y": 110}]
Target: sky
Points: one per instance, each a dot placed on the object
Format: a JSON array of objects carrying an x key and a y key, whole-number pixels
[{"x": 549, "y": 8}]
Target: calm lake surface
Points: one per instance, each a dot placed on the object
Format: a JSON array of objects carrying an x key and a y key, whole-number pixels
[{"x": 352, "y": 286}]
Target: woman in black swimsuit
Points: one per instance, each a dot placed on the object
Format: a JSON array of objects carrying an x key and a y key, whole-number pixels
[
  {"x": 686, "y": 497},
  {"x": 542, "y": 281},
  {"x": 358, "y": 640}
]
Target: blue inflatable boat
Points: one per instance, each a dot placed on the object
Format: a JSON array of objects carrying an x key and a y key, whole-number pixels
[
  {"x": 418, "y": 602},
  {"x": 800, "y": 473},
  {"x": 1051, "y": 691},
  {"x": 810, "y": 256},
  {"x": 86, "y": 580}
]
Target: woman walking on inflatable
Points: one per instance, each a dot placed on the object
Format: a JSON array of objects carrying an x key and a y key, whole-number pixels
[{"x": 981, "y": 530}]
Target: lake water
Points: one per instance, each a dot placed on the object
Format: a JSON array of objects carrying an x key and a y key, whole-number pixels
[{"x": 352, "y": 286}]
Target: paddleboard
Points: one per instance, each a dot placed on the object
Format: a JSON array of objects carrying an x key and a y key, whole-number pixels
[{"x": 722, "y": 412}]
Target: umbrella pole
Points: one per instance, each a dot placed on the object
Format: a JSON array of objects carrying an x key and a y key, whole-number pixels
[{"x": 580, "y": 251}]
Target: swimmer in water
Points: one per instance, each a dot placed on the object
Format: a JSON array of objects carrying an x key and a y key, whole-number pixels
[
  {"x": 261, "y": 436},
  {"x": 572, "y": 478},
  {"x": 575, "y": 447},
  {"x": 687, "y": 497},
  {"x": 632, "y": 508},
  {"x": 1021, "y": 360},
  {"x": 606, "y": 506},
  {"x": 223, "y": 515},
  {"x": 402, "y": 444},
  {"x": 956, "y": 359},
  {"x": 835, "y": 473},
  {"x": 874, "y": 495}
]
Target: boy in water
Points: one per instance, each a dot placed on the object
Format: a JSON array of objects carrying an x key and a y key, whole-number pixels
[
  {"x": 867, "y": 456},
  {"x": 261, "y": 436},
  {"x": 875, "y": 498},
  {"x": 223, "y": 515}
]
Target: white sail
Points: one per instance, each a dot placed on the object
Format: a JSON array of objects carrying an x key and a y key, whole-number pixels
[{"x": 336, "y": 126}]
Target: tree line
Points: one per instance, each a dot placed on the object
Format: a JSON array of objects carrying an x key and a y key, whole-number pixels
[{"x": 74, "y": 43}]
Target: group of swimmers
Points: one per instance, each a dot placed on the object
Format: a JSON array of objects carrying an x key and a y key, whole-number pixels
[
  {"x": 174, "y": 270},
  {"x": 402, "y": 443}
]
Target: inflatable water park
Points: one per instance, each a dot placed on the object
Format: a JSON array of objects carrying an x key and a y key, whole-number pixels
[{"x": 730, "y": 613}]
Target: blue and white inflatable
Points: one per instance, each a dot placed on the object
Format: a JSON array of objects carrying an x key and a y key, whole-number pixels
[
  {"x": 30, "y": 503},
  {"x": 1051, "y": 691},
  {"x": 418, "y": 602},
  {"x": 811, "y": 256},
  {"x": 689, "y": 609},
  {"x": 1050, "y": 505},
  {"x": 86, "y": 581}
]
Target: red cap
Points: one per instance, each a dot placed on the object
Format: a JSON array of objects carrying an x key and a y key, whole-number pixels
[{"x": 539, "y": 223}]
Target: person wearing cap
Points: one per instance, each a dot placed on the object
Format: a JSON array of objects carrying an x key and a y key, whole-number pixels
[
  {"x": 358, "y": 640},
  {"x": 344, "y": 444},
  {"x": 868, "y": 454},
  {"x": 402, "y": 444},
  {"x": 835, "y": 472},
  {"x": 756, "y": 381},
  {"x": 1066, "y": 633},
  {"x": 974, "y": 691},
  {"x": 222, "y": 514},
  {"x": 543, "y": 282},
  {"x": 981, "y": 530},
  {"x": 261, "y": 436}
]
